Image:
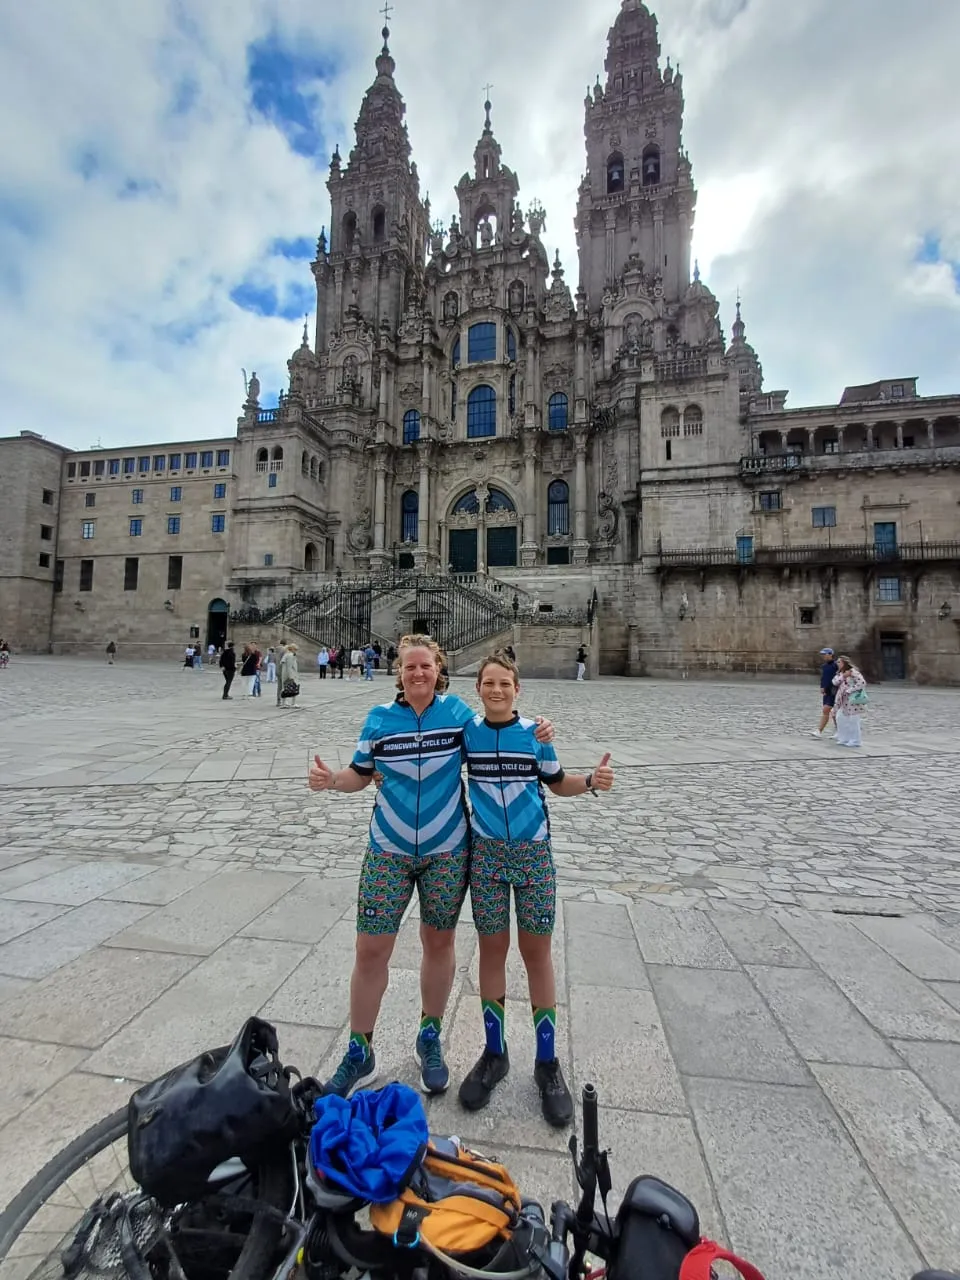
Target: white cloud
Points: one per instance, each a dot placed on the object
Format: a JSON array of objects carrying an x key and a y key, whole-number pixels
[{"x": 822, "y": 138}]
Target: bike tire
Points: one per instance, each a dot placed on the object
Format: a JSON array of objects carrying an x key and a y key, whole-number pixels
[{"x": 274, "y": 1186}]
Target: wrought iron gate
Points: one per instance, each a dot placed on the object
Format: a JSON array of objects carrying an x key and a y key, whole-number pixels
[{"x": 341, "y": 617}]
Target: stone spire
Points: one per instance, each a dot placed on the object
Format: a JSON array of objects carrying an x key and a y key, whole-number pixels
[
  {"x": 381, "y": 130},
  {"x": 748, "y": 366}
]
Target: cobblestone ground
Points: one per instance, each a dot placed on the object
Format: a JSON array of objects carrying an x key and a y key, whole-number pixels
[{"x": 759, "y": 951}]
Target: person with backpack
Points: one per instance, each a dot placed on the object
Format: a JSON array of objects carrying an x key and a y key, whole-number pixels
[
  {"x": 851, "y": 702},
  {"x": 249, "y": 667},
  {"x": 507, "y": 769},
  {"x": 581, "y": 663}
]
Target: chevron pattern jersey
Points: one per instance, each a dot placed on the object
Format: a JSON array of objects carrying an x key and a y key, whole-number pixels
[
  {"x": 506, "y": 767},
  {"x": 421, "y": 808}
]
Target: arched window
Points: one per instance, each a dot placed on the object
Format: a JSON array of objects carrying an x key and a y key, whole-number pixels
[
  {"x": 497, "y": 500},
  {"x": 693, "y": 420},
  {"x": 558, "y": 507},
  {"x": 512, "y": 394},
  {"x": 410, "y": 516},
  {"x": 651, "y": 167},
  {"x": 669, "y": 423},
  {"x": 311, "y": 558},
  {"x": 379, "y": 222},
  {"x": 557, "y": 412},
  {"x": 411, "y": 426},
  {"x": 673, "y": 336},
  {"x": 349, "y": 226},
  {"x": 481, "y": 412},
  {"x": 304, "y": 463},
  {"x": 467, "y": 505},
  {"x": 263, "y": 459},
  {"x": 455, "y": 354},
  {"x": 615, "y": 173},
  {"x": 511, "y": 345},
  {"x": 277, "y": 457},
  {"x": 314, "y": 469},
  {"x": 481, "y": 342}
]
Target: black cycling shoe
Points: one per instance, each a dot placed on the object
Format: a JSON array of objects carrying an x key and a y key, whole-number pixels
[
  {"x": 555, "y": 1100},
  {"x": 483, "y": 1078}
]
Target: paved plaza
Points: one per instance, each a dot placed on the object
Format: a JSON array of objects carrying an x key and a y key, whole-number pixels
[{"x": 758, "y": 952}]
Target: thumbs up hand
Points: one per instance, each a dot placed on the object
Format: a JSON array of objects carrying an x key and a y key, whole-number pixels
[
  {"x": 603, "y": 774},
  {"x": 320, "y": 777}
]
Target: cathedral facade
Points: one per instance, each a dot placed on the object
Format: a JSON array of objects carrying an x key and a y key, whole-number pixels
[{"x": 464, "y": 410}]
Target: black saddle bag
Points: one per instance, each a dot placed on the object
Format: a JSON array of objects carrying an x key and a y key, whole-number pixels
[
  {"x": 229, "y": 1102},
  {"x": 656, "y": 1228}
]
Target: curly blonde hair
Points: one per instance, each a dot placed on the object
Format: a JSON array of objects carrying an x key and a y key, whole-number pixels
[{"x": 423, "y": 642}]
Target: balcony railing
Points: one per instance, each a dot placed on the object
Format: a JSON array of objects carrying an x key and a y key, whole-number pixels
[
  {"x": 765, "y": 464},
  {"x": 759, "y": 557}
]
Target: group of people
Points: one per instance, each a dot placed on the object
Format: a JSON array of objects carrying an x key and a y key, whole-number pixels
[
  {"x": 339, "y": 658},
  {"x": 424, "y": 836},
  {"x": 283, "y": 671},
  {"x": 844, "y": 696}
]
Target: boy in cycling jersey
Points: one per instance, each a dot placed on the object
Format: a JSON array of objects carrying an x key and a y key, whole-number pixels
[{"x": 506, "y": 770}]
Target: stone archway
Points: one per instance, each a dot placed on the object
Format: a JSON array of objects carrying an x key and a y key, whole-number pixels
[
  {"x": 311, "y": 558},
  {"x": 218, "y": 612},
  {"x": 483, "y": 528}
]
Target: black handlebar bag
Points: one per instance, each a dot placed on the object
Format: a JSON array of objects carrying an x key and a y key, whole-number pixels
[{"x": 229, "y": 1102}]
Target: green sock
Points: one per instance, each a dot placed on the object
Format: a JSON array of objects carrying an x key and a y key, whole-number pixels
[
  {"x": 494, "y": 1024},
  {"x": 428, "y": 1023},
  {"x": 362, "y": 1041},
  {"x": 545, "y": 1025}
]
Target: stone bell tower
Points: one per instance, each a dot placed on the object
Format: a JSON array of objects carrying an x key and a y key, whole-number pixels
[
  {"x": 637, "y": 197},
  {"x": 379, "y": 225},
  {"x": 487, "y": 200}
]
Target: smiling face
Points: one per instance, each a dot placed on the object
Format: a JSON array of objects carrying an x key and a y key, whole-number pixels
[
  {"x": 419, "y": 670},
  {"x": 498, "y": 687}
]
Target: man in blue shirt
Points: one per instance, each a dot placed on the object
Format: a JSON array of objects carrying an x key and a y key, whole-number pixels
[
  {"x": 507, "y": 769},
  {"x": 827, "y": 671}
]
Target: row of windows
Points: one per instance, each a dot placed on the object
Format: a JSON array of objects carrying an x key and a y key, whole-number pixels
[
  {"x": 670, "y": 421},
  {"x": 88, "y": 529},
  {"x": 176, "y": 495},
  {"x": 159, "y": 462},
  {"x": 131, "y": 574},
  {"x": 482, "y": 413},
  {"x": 558, "y": 508}
]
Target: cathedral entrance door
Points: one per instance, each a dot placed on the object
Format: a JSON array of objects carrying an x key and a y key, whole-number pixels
[
  {"x": 502, "y": 547},
  {"x": 463, "y": 550},
  {"x": 217, "y": 613}
]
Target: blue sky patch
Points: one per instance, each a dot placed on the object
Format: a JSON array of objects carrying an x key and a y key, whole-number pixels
[
  {"x": 301, "y": 249},
  {"x": 931, "y": 251},
  {"x": 283, "y": 89},
  {"x": 264, "y": 300}
]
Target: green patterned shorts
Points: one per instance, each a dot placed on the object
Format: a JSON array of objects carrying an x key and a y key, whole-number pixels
[
  {"x": 527, "y": 867},
  {"x": 387, "y": 882}
]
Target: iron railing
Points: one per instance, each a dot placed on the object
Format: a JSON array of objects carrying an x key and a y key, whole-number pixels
[{"x": 865, "y": 554}]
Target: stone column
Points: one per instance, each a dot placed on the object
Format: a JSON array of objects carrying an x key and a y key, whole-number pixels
[
  {"x": 840, "y": 431},
  {"x": 529, "y": 547},
  {"x": 422, "y": 551},
  {"x": 931, "y": 435},
  {"x": 581, "y": 547},
  {"x": 899, "y": 435},
  {"x": 382, "y": 402},
  {"x": 379, "y": 557},
  {"x": 611, "y": 245},
  {"x": 870, "y": 440},
  {"x": 811, "y": 440},
  {"x": 783, "y": 441}
]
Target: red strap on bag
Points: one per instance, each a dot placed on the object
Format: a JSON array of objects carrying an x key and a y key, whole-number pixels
[{"x": 696, "y": 1265}]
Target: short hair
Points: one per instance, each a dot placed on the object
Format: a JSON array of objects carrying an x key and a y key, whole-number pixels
[
  {"x": 423, "y": 642},
  {"x": 499, "y": 659}
]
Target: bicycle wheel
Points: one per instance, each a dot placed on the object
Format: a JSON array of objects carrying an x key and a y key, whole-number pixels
[{"x": 211, "y": 1243}]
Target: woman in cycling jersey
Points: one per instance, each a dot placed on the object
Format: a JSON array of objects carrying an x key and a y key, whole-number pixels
[{"x": 418, "y": 840}]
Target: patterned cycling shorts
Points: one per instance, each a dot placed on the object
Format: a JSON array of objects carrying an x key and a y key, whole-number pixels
[
  {"x": 527, "y": 867},
  {"x": 387, "y": 882}
]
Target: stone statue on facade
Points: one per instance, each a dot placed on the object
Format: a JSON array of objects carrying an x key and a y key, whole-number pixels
[
  {"x": 486, "y": 234},
  {"x": 253, "y": 390}
]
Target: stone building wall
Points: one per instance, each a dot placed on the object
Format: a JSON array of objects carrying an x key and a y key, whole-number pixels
[{"x": 29, "y": 522}]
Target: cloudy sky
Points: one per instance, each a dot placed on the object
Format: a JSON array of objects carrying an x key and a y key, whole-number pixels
[{"x": 162, "y": 171}]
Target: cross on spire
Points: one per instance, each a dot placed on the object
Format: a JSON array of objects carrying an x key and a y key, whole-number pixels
[
  {"x": 487, "y": 126},
  {"x": 386, "y": 11}
]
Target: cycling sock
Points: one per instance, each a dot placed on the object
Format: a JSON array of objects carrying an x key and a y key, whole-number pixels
[
  {"x": 494, "y": 1024},
  {"x": 428, "y": 1023},
  {"x": 364, "y": 1041},
  {"x": 545, "y": 1025}
]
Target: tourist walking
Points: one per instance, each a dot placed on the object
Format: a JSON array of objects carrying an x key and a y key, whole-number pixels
[
  {"x": 188, "y": 658},
  {"x": 323, "y": 661},
  {"x": 828, "y": 693},
  {"x": 228, "y": 665},
  {"x": 250, "y": 660},
  {"x": 271, "y": 666},
  {"x": 211, "y": 654},
  {"x": 289, "y": 682},
  {"x": 341, "y": 659},
  {"x": 197, "y": 657},
  {"x": 111, "y": 652},
  {"x": 427, "y": 852},
  {"x": 581, "y": 663},
  {"x": 507, "y": 770},
  {"x": 851, "y": 702},
  {"x": 369, "y": 658},
  {"x": 4, "y": 654},
  {"x": 356, "y": 662}
]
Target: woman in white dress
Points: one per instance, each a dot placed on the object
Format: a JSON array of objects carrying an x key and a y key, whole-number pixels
[{"x": 850, "y": 704}]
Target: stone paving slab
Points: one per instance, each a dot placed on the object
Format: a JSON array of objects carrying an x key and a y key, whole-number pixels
[{"x": 705, "y": 938}]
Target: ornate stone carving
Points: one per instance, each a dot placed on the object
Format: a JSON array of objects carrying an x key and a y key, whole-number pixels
[
  {"x": 359, "y": 537},
  {"x": 609, "y": 518}
]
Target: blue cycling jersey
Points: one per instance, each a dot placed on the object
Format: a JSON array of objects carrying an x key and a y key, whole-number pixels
[
  {"x": 506, "y": 767},
  {"x": 421, "y": 808}
]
